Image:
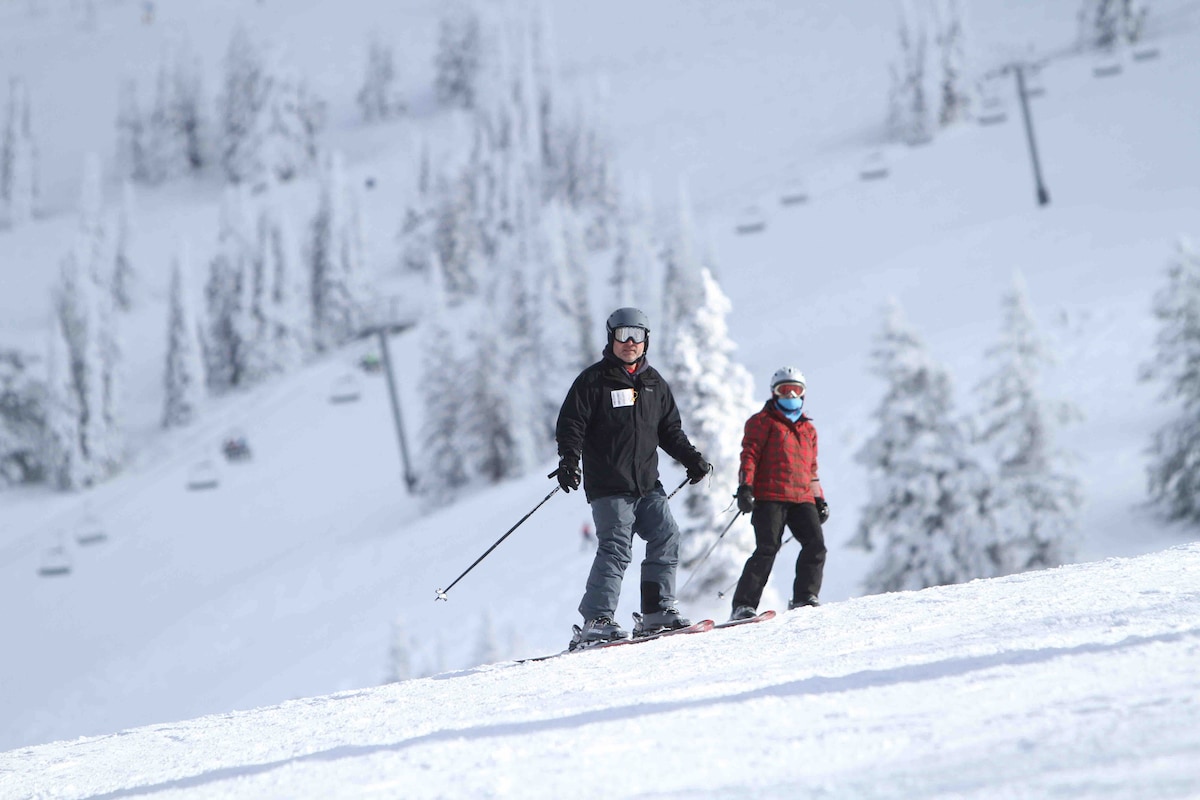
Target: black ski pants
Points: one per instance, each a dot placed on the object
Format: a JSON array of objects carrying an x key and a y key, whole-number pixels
[{"x": 768, "y": 519}]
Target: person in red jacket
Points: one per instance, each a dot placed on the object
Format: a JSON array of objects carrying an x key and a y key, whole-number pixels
[{"x": 778, "y": 486}]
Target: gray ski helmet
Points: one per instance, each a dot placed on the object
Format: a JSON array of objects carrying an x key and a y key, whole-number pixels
[
  {"x": 631, "y": 317},
  {"x": 787, "y": 375}
]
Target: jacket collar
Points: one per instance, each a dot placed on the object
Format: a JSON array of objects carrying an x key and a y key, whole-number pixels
[{"x": 610, "y": 357}]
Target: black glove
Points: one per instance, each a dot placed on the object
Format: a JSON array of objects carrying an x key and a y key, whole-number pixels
[
  {"x": 822, "y": 509},
  {"x": 568, "y": 474},
  {"x": 745, "y": 498},
  {"x": 698, "y": 470}
]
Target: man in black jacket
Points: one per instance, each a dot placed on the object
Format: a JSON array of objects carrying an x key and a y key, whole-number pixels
[{"x": 617, "y": 414}]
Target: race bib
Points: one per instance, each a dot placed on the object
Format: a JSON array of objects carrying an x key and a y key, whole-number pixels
[{"x": 623, "y": 397}]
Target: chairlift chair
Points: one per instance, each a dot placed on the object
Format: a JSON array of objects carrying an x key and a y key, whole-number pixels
[
  {"x": 992, "y": 110},
  {"x": 346, "y": 389},
  {"x": 1107, "y": 66},
  {"x": 794, "y": 194},
  {"x": 56, "y": 561},
  {"x": 875, "y": 168},
  {"x": 236, "y": 447},
  {"x": 90, "y": 531},
  {"x": 1147, "y": 53},
  {"x": 203, "y": 476},
  {"x": 752, "y": 221}
]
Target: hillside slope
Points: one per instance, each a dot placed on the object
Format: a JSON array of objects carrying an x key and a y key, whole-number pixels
[{"x": 1076, "y": 682}]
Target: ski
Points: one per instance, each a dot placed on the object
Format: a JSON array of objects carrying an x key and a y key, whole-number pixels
[
  {"x": 697, "y": 627},
  {"x": 763, "y": 617}
]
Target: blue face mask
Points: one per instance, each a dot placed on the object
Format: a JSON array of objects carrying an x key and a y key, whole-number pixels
[{"x": 790, "y": 403}]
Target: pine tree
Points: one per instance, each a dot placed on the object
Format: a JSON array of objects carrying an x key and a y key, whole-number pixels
[
  {"x": 187, "y": 108},
  {"x": 225, "y": 292},
  {"x": 444, "y": 469},
  {"x": 184, "y": 378},
  {"x": 458, "y": 61},
  {"x": 715, "y": 395},
  {"x": 131, "y": 134},
  {"x": 124, "y": 274},
  {"x": 683, "y": 288},
  {"x": 910, "y": 112},
  {"x": 380, "y": 98},
  {"x": 1035, "y": 501},
  {"x": 955, "y": 96},
  {"x": 165, "y": 149},
  {"x": 62, "y": 444},
  {"x": 18, "y": 159},
  {"x": 925, "y": 512},
  {"x": 241, "y": 103},
  {"x": 337, "y": 260},
  {"x": 1105, "y": 24},
  {"x": 22, "y": 420},
  {"x": 1174, "y": 473},
  {"x": 289, "y": 324}
]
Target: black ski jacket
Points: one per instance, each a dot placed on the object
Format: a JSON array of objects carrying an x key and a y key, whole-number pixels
[{"x": 619, "y": 432}]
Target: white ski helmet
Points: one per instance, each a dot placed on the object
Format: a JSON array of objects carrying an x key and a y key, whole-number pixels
[{"x": 787, "y": 375}]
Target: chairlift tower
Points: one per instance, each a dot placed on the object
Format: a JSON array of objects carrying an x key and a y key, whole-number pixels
[
  {"x": 1018, "y": 68},
  {"x": 384, "y": 322}
]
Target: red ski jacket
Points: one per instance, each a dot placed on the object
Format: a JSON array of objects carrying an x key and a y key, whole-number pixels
[{"x": 779, "y": 457}]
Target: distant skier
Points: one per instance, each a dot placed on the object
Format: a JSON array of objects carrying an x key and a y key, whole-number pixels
[
  {"x": 779, "y": 486},
  {"x": 617, "y": 414},
  {"x": 588, "y": 538}
]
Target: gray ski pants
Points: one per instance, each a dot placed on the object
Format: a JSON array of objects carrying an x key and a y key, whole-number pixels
[{"x": 617, "y": 518}]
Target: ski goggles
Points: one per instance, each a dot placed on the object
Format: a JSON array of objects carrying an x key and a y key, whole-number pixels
[
  {"x": 629, "y": 333},
  {"x": 789, "y": 390}
]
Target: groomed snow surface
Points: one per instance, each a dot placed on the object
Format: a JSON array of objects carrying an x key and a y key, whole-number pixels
[{"x": 1076, "y": 682}]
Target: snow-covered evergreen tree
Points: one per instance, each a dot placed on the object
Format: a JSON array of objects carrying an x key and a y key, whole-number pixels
[
  {"x": 187, "y": 107},
  {"x": 22, "y": 420},
  {"x": 715, "y": 395},
  {"x": 224, "y": 347},
  {"x": 444, "y": 468},
  {"x": 926, "y": 493},
  {"x": 131, "y": 133},
  {"x": 683, "y": 288},
  {"x": 458, "y": 60},
  {"x": 954, "y": 95},
  {"x": 456, "y": 239},
  {"x": 1174, "y": 473},
  {"x": 569, "y": 317},
  {"x": 18, "y": 159},
  {"x": 271, "y": 121},
  {"x": 417, "y": 227},
  {"x": 1034, "y": 502},
  {"x": 286, "y": 302},
  {"x": 62, "y": 445},
  {"x": 1105, "y": 24},
  {"x": 165, "y": 148},
  {"x": 380, "y": 97},
  {"x": 184, "y": 377},
  {"x": 910, "y": 113},
  {"x": 124, "y": 273},
  {"x": 337, "y": 260}
]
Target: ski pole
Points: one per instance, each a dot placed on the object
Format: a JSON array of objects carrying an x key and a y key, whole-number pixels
[
  {"x": 696, "y": 569},
  {"x": 677, "y": 488},
  {"x": 440, "y": 594},
  {"x": 733, "y": 585}
]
